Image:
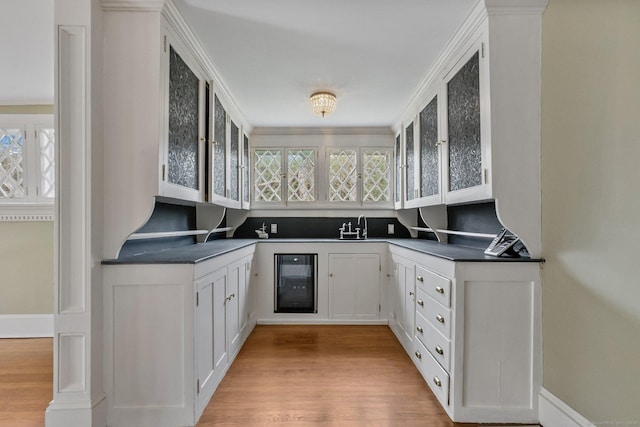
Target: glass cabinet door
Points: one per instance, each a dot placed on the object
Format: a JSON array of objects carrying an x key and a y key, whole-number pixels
[
  {"x": 234, "y": 153},
  {"x": 398, "y": 196},
  {"x": 184, "y": 113},
  {"x": 219, "y": 149},
  {"x": 410, "y": 163},
  {"x": 463, "y": 118},
  {"x": 245, "y": 173},
  {"x": 429, "y": 170}
]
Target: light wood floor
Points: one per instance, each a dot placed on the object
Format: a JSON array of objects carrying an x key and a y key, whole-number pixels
[
  {"x": 284, "y": 375},
  {"x": 323, "y": 375},
  {"x": 26, "y": 381}
]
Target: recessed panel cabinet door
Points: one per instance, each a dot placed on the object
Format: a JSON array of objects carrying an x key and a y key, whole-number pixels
[
  {"x": 354, "y": 286},
  {"x": 209, "y": 337}
]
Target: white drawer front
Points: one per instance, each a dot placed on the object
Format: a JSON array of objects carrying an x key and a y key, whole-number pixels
[
  {"x": 438, "y": 287},
  {"x": 434, "y": 375},
  {"x": 438, "y": 346},
  {"x": 436, "y": 314}
]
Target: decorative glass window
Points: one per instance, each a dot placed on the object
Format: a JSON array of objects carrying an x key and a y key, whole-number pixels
[
  {"x": 267, "y": 175},
  {"x": 323, "y": 177},
  {"x": 12, "y": 185},
  {"x": 301, "y": 167},
  {"x": 343, "y": 176},
  {"x": 376, "y": 176},
  {"x": 27, "y": 161}
]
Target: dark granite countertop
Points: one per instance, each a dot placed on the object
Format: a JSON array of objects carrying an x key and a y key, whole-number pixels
[
  {"x": 191, "y": 254},
  {"x": 200, "y": 252}
]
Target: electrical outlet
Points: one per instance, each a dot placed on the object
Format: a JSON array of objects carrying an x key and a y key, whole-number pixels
[
  {"x": 390, "y": 228},
  {"x": 274, "y": 228}
]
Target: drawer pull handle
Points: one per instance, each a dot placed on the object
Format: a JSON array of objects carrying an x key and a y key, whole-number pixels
[
  {"x": 439, "y": 318},
  {"x": 419, "y": 328},
  {"x": 421, "y": 303},
  {"x": 418, "y": 355},
  {"x": 440, "y": 289},
  {"x": 437, "y": 381},
  {"x": 420, "y": 279},
  {"x": 439, "y": 350}
]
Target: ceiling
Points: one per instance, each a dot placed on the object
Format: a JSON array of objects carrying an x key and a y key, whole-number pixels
[
  {"x": 272, "y": 54},
  {"x": 26, "y": 43}
]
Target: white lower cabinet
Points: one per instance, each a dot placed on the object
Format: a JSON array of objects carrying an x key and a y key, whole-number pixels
[
  {"x": 477, "y": 336},
  {"x": 354, "y": 286},
  {"x": 171, "y": 333}
]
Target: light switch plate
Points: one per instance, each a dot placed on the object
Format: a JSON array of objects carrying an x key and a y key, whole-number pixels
[
  {"x": 390, "y": 228},
  {"x": 274, "y": 228}
]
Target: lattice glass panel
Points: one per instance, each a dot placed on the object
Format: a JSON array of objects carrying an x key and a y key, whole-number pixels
[
  {"x": 12, "y": 185},
  {"x": 376, "y": 176},
  {"x": 343, "y": 176},
  {"x": 267, "y": 175},
  {"x": 46, "y": 137},
  {"x": 301, "y": 166}
]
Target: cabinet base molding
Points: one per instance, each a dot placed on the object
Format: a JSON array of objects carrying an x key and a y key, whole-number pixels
[
  {"x": 77, "y": 414},
  {"x": 554, "y": 412},
  {"x": 26, "y": 326}
]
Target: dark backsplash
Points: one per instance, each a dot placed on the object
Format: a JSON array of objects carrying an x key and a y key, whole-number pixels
[
  {"x": 317, "y": 227},
  {"x": 477, "y": 218}
]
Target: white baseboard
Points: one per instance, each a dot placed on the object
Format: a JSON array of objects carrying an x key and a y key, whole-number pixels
[
  {"x": 26, "y": 325},
  {"x": 554, "y": 412}
]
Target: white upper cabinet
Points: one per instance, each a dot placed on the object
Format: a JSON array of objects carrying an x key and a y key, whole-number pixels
[
  {"x": 183, "y": 123},
  {"x": 447, "y": 144},
  {"x": 226, "y": 157},
  {"x": 465, "y": 128}
]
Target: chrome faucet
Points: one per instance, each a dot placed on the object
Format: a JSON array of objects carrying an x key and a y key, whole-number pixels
[{"x": 363, "y": 235}]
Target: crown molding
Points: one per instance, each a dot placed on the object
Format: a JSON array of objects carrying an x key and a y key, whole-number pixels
[
  {"x": 372, "y": 130},
  {"x": 132, "y": 5},
  {"x": 515, "y": 7}
]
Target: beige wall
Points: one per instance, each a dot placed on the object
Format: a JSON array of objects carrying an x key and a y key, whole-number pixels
[
  {"x": 591, "y": 206},
  {"x": 26, "y": 263}
]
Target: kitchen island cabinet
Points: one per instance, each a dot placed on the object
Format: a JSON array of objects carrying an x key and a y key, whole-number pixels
[{"x": 172, "y": 330}]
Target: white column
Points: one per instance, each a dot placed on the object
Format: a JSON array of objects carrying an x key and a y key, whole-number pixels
[{"x": 78, "y": 399}]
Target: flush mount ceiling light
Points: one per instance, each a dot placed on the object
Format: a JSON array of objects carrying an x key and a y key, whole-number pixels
[{"x": 323, "y": 103}]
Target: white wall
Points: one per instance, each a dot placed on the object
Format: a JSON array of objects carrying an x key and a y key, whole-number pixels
[{"x": 591, "y": 206}]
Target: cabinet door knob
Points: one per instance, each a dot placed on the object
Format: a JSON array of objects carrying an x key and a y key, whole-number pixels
[
  {"x": 440, "y": 289},
  {"x": 439, "y": 350},
  {"x": 419, "y": 328},
  {"x": 421, "y": 303},
  {"x": 411, "y": 293},
  {"x": 420, "y": 279},
  {"x": 437, "y": 381},
  {"x": 418, "y": 355},
  {"x": 439, "y": 318},
  {"x": 330, "y": 274}
]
